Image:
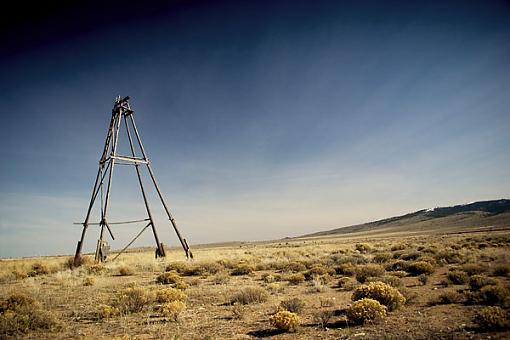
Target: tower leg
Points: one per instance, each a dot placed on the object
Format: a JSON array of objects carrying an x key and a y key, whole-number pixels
[{"x": 159, "y": 245}]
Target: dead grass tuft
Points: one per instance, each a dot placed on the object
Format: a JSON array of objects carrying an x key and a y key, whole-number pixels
[
  {"x": 247, "y": 295},
  {"x": 322, "y": 317},
  {"x": 294, "y": 305}
]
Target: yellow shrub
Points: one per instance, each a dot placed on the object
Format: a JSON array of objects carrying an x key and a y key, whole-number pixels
[
  {"x": 296, "y": 278},
  {"x": 20, "y": 313},
  {"x": 96, "y": 268},
  {"x": 107, "y": 311},
  {"x": 131, "y": 300},
  {"x": 172, "y": 309},
  {"x": 169, "y": 278},
  {"x": 363, "y": 247},
  {"x": 285, "y": 320},
  {"x": 242, "y": 269},
  {"x": 170, "y": 295},
  {"x": 382, "y": 292},
  {"x": 365, "y": 310},
  {"x": 89, "y": 281},
  {"x": 19, "y": 275},
  {"x": 126, "y": 271}
]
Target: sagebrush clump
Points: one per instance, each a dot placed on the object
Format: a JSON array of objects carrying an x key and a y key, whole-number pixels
[
  {"x": 89, "y": 281},
  {"x": 322, "y": 317},
  {"x": 419, "y": 267},
  {"x": 294, "y": 305},
  {"x": 38, "y": 269},
  {"x": 295, "y": 279},
  {"x": 126, "y": 271},
  {"x": 492, "y": 318},
  {"x": 131, "y": 300},
  {"x": 318, "y": 270},
  {"x": 501, "y": 270},
  {"x": 365, "y": 310},
  {"x": 381, "y": 258},
  {"x": 347, "y": 269},
  {"x": 382, "y": 292},
  {"x": 493, "y": 295},
  {"x": 106, "y": 311},
  {"x": 363, "y": 248},
  {"x": 285, "y": 320},
  {"x": 473, "y": 268},
  {"x": 169, "y": 295},
  {"x": 369, "y": 270},
  {"x": 242, "y": 269},
  {"x": 172, "y": 309},
  {"x": 448, "y": 297},
  {"x": 169, "y": 278},
  {"x": 476, "y": 282},
  {"x": 388, "y": 279},
  {"x": 249, "y": 295},
  {"x": 457, "y": 277},
  {"x": 20, "y": 313}
]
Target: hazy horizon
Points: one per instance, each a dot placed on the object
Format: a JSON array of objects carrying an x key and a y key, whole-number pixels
[{"x": 262, "y": 120}]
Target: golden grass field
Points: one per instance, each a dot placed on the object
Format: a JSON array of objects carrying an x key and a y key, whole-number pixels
[{"x": 415, "y": 287}]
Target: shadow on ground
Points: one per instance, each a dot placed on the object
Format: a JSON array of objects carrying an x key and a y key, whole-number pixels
[{"x": 266, "y": 333}]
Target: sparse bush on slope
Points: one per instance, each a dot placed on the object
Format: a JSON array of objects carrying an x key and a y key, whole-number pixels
[
  {"x": 476, "y": 282},
  {"x": 492, "y": 318},
  {"x": 457, "y": 277}
]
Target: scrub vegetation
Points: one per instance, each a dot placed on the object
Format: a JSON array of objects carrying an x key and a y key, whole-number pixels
[{"x": 396, "y": 286}]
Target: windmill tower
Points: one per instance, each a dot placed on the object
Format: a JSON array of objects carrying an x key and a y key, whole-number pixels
[{"x": 123, "y": 117}]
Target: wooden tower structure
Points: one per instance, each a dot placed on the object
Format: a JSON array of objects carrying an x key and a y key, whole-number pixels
[{"x": 123, "y": 118}]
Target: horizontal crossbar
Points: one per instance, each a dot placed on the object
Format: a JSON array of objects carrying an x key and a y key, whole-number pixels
[{"x": 112, "y": 223}]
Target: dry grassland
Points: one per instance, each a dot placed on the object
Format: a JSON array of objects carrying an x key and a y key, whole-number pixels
[{"x": 417, "y": 287}]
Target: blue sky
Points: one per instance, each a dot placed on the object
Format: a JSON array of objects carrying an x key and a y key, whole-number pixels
[{"x": 262, "y": 119}]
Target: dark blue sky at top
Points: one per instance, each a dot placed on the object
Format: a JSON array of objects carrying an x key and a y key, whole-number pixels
[{"x": 298, "y": 114}]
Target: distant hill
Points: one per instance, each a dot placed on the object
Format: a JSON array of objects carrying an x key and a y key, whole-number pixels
[{"x": 472, "y": 216}]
